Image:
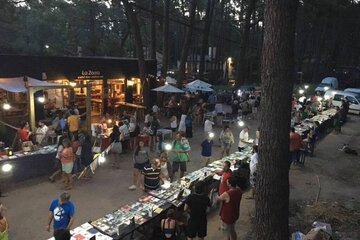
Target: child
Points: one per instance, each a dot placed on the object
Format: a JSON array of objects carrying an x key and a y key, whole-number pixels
[
  {"x": 186, "y": 146},
  {"x": 165, "y": 167}
]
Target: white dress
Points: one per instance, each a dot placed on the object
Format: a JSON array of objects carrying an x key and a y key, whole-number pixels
[{"x": 182, "y": 127}]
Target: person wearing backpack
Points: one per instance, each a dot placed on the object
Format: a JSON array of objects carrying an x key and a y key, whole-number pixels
[
  {"x": 188, "y": 126},
  {"x": 154, "y": 125}
]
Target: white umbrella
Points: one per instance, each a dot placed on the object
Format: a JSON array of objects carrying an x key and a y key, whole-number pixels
[
  {"x": 199, "y": 88},
  {"x": 170, "y": 80},
  {"x": 198, "y": 82},
  {"x": 168, "y": 89}
]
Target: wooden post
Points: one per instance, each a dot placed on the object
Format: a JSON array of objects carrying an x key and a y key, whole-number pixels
[
  {"x": 88, "y": 107},
  {"x": 31, "y": 102}
]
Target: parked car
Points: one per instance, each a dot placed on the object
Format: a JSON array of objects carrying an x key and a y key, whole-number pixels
[
  {"x": 353, "y": 90},
  {"x": 337, "y": 97},
  {"x": 327, "y": 84}
]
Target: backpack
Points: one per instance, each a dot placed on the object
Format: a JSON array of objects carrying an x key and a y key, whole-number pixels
[
  {"x": 188, "y": 121},
  {"x": 155, "y": 125}
]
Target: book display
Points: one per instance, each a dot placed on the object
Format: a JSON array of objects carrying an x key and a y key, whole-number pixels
[{"x": 130, "y": 217}]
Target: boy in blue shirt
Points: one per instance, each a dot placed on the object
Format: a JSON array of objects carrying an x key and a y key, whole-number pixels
[
  {"x": 206, "y": 149},
  {"x": 62, "y": 212}
]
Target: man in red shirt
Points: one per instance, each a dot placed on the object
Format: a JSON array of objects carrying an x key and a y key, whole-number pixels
[
  {"x": 230, "y": 208},
  {"x": 295, "y": 145},
  {"x": 23, "y": 132},
  {"x": 223, "y": 187}
]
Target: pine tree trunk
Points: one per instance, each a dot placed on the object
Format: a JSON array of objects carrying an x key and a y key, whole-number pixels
[
  {"x": 242, "y": 63},
  {"x": 205, "y": 37},
  {"x": 277, "y": 74},
  {"x": 153, "y": 29},
  {"x": 186, "y": 46},
  {"x": 165, "y": 61},
  {"x": 135, "y": 28}
]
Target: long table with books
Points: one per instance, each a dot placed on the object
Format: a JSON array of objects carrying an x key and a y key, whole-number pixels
[
  {"x": 146, "y": 212},
  {"x": 324, "y": 118},
  {"x": 26, "y": 165}
]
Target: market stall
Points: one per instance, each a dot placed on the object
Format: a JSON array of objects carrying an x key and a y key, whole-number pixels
[
  {"x": 144, "y": 215},
  {"x": 20, "y": 166}
]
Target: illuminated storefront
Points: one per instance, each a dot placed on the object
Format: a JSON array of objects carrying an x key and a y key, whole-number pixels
[{"x": 114, "y": 81}]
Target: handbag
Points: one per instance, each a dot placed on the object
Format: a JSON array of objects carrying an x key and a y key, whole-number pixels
[{"x": 116, "y": 147}]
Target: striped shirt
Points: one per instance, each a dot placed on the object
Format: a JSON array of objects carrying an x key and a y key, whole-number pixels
[{"x": 151, "y": 177}]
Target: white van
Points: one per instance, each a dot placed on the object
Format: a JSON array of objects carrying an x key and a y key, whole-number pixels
[
  {"x": 327, "y": 84},
  {"x": 337, "y": 96},
  {"x": 353, "y": 90}
]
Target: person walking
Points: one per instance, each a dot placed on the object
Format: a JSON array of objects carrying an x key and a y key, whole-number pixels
[
  {"x": 57, "y": 164},
  {"x": 179, "y": 156},
  {"x": 62, "y": 212},
  {"x": 182, "y": 126},
  {"x": 197, "y": 203},
  {"x": 208, "y": 126},
  {"x": 226, "y": 140},
  {"x": 76, "y": 145},
  {"x": 4, "y": 225},
  {"x": 206, "y": 149},
  {"x": 188, "y": 126},
  {"x": 230, "y": 208},
  {"x": 253, "y": 170},
  {"x": 67, "y": 162},
  {"x": 141, "y": 159},
  {"x": 173, "y": 123},
  {"x": 86, "y": 156}
]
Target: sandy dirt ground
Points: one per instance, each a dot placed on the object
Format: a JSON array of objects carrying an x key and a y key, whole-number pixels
[{"x": 28, "y": 202}]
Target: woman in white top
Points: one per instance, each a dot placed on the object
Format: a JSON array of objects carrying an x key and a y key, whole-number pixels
[
  {"x": 243, "y": 139},
  {"x": 208, "y": 126},
  {"x": 253, "y": 169},
  {"x": 182, "y": 126},
  {"x": 173, "y": 123}
]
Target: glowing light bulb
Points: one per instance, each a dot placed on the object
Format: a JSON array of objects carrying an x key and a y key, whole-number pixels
[
  {"x": 101, "y": 159},
  {"x": 6, "y": 167},
  {"x": 168, "y": 147},
  {"x": 6, "y": 106},
  {"x": 41, "y": 99},
  {"x": 241, "y": 123}
]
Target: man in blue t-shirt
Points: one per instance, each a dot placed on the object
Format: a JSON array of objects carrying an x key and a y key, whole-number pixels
[
  {"x": 206, "y": 149},
  {"x": 62, "y": 212}
]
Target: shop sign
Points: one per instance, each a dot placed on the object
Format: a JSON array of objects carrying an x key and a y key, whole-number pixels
[{"x": 90, "y": 74}]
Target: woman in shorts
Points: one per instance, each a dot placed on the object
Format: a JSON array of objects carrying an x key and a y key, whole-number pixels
[{"x": 141, "y": 160}]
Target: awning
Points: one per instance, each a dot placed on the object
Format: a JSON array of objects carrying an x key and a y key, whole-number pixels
[
  {"x": 32, "y": 82},
  {"x": 13, "y": 84},
  {"x": 168, "y": 89},
  {"x": 18, "y": 85}
]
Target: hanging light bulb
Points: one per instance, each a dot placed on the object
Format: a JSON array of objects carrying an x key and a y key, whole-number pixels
[
  {"x": 6, "y": 106},
  {"x": 41, "y": 99}
]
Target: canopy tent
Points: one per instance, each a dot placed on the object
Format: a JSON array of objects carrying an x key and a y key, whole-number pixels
[
  {"x": 15, "y": 85},
  {"x": 199, "y": 85},
  {"x": 170, "y": 80},
  {"x": 32, "y": 82},
  {"x": 199, "y": 88},
  {"x": 199, "y": 82},
  {"x": 168, "y": 89}
]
